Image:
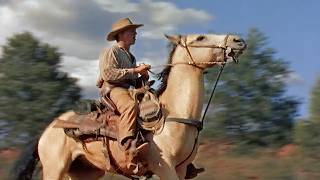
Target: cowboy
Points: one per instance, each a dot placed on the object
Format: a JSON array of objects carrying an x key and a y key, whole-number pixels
[{"x": 119, "y": 72}]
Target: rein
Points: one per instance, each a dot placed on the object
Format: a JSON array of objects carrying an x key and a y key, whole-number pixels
[
  {"x": 212, "y": 93},
  {"x": 196, "y": 123},
  {"x": 192, "y": 122}
]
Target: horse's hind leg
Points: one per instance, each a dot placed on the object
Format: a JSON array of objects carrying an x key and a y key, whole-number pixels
[
  {"x": 54, "y": 166},
  {"x": 81, "y": 169},
  {"x": 54, "y": 153},
  {"x": 51, "y": 172},
  {"x": 89, "y": 174}
]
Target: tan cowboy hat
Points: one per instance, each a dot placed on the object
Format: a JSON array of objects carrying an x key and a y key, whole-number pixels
[{"x": 119, "y": 26}]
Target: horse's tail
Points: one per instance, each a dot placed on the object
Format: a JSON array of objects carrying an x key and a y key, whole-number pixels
[{"x": 25, "y": 165}]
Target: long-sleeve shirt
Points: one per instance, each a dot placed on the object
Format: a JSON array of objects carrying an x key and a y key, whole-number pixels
[{"x": 116, "y": 67}]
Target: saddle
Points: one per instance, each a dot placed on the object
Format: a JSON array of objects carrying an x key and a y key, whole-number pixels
[
  {"x": 98, "y": 121},
  {"x": 99, "y": 118},
  {"x": 92, "y": 126}
]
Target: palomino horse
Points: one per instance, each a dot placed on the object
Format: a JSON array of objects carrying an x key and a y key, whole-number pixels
[{"x": 181, "y": 94}]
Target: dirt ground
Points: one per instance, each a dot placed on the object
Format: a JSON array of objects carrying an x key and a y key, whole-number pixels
[{"x": 221, "y": 163}]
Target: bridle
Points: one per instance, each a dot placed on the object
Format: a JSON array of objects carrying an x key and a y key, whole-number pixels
[
  {"x": 193, "y": 62},
  {"x": 194, "y": 122}
]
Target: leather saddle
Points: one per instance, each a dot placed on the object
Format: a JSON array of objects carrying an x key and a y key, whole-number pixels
[
  {"x": 91, "y": 126},
  {"x": 96, "y": 119}
]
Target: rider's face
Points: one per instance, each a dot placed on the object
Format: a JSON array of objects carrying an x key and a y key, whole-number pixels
[{"x": 129, "y": 36}]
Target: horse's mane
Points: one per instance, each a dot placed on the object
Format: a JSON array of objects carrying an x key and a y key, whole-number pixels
[{"x": 164, "y": 74}]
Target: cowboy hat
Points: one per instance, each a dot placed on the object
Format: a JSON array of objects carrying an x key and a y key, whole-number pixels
[{"x": 121, "y": 25}]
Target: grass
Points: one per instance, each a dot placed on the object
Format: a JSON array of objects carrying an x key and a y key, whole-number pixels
[
  {"x": 224, "y": 161},
  {"x": 261, "y": 164}
]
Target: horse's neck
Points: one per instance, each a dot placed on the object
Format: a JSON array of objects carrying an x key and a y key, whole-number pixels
[{"x": 183, "y": 97}]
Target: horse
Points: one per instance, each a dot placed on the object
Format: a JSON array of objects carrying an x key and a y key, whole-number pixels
[{"x": 181, "y": 94}]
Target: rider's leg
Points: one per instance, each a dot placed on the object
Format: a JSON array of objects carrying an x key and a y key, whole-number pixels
[{"x": 128, "y": 111}]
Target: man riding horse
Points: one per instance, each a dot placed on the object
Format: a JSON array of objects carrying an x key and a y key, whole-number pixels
[
  {"x": 171, "y": 149},
  {"x": 119, "y": 72}
]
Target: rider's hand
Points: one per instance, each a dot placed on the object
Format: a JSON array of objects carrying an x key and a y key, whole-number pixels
[
  {"x": 142, "y": 68},
  {"x": 144, "y": 74}
]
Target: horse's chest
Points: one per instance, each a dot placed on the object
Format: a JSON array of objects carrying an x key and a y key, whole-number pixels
[{"x": 179, "y": 140}]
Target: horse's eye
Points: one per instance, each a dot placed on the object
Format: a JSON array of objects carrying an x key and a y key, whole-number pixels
[{"x": 200, "y": 38}]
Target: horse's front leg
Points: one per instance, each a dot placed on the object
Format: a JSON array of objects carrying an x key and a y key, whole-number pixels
[{"x": 181, "y": 171}]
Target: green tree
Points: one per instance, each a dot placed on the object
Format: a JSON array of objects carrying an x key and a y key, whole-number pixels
[
  {"x": 32, "y": 89},
  {"x": 307, "y": 133},
  {"x": 315, "y": 103},
  {"x": 250, "y": 103}
]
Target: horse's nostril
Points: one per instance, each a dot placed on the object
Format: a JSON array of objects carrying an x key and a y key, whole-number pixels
[{"x": 240, "y": 42}]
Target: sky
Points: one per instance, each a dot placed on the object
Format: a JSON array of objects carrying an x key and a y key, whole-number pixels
[{"x": 79, "y": 27}]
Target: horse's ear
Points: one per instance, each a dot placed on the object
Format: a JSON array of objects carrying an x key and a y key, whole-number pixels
[{"x": 173, "y": 38}]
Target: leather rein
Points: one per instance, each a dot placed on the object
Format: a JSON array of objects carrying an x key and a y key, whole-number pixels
[
  {"x": 193, "y": 122},
  {"x": 196, "y": 123}
]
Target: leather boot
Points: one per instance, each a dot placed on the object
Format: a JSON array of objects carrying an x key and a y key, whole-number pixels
[{"x": 192, "y": 171}]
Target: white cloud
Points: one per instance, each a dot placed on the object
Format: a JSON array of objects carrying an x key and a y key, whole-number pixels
[
  {"x": 119, "y": 6},
  {"x": 159, "y": 17},
  {"x": 78, "y": 28},
  {"x": 157, "y": 33},
  {"x": 168, "y": 13},
  {"x": 292, "y": 79},
  {"x": 86, "y": 71},
  {"x": 165, "y": 18},
  {"x": 9, "y": 20},
  {"x": 58, "y": 9}
]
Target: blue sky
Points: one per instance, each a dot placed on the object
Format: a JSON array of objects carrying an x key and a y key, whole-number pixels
[
  {"x": 292, "y": 27},
  {"x": 78, "y": 28}
]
